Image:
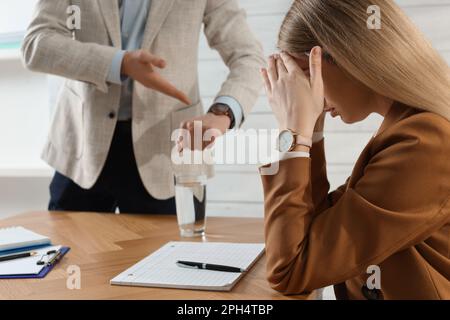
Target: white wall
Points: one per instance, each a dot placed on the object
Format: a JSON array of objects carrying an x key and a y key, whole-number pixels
[
  {"x": 15, "y": 15},
  {"x": 236, "y": 190}
]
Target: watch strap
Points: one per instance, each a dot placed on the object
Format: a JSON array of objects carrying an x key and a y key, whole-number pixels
[{"x": 303, "y": 141}]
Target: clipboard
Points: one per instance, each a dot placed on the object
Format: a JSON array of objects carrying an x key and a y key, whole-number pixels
[{"x": 45, "y": 270}]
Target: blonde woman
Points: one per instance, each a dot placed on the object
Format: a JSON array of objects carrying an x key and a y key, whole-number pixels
[{"x": 394, "y": 210}]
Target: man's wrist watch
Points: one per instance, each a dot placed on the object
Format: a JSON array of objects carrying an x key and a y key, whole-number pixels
[
  {"x": 221, "y": 109},
  {"x": 288, "y": 140}
]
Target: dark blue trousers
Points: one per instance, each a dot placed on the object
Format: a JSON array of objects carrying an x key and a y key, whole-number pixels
[{"x": 118, "y": 187}]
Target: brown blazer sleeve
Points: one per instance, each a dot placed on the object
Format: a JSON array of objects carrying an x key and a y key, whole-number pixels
[
  {"x": 319, "y": 181},
  {"x": 400, "y": 199}
]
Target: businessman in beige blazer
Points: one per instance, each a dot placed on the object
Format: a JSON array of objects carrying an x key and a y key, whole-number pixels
[{"x": 131, "y": 70}]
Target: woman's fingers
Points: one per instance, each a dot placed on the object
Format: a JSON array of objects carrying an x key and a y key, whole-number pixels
[
  {"x": 315, "y": 67},
  {"x": 281, "y": 68},
  {"x": 272, "y": 70},
  {"x": 290, "y": 64},
  {"x": 267, "y": 83}
]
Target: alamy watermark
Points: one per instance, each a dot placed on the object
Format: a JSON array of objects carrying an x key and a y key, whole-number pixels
[
  {"x": 374, "y": 280},
  {"x": 236, "y": 147},
  {"x": 73, "y": 21},
  {"x": 374, "y": 20},
  {"x": 73, "y": 277}
]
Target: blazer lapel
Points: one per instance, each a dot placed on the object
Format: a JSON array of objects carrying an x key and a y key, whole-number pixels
[
  {"x": 159, "y": 9},
  {"x": 110, "y": 11}
]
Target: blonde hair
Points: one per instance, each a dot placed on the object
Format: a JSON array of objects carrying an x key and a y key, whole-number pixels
[{"x": 396, "y": 61}]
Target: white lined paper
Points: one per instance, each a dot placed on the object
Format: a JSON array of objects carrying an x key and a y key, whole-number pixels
[{"x": 160, "y": 270}]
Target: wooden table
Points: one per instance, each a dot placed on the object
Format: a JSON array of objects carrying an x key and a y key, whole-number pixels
[{"x": 104, "y": 245}]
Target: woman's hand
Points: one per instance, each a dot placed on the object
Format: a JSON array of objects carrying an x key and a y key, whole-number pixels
[{"x": 296, "y": 101}]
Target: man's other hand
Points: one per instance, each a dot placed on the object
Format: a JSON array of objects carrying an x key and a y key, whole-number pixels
[{"x": 212, "y": 127}]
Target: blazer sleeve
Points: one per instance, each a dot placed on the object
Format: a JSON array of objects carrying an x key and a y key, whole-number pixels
[
  {"x": 399, "y": 201},
  {"x": 227, "y": 31},
  {"x": 48, "y": 47},
  {"x": 319, "y": 181}
]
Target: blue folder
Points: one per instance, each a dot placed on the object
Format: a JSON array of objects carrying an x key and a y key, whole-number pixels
[{"x": 41, "y": 274}]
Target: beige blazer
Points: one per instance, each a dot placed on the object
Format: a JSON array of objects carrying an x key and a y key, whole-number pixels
[
  {"x": 393, "y": 212},
  {"x": 81, "y": 132}
]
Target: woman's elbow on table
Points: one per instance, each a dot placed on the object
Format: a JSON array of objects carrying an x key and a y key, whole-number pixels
[{"x": 288, "y": 278}]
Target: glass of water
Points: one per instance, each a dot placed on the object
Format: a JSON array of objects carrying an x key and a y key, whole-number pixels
[{"x": 190, "y": 198}]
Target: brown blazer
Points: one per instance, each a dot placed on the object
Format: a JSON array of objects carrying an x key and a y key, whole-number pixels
[{"x": 393, "y": 212}]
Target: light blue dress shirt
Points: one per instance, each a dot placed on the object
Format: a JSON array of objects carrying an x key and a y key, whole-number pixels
[{"x": 133, "y": 18}]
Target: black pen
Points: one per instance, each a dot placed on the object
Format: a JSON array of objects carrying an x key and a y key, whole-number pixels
[
  {"x": 17, "y": 256},
  {"x": 208, "y": 266}
]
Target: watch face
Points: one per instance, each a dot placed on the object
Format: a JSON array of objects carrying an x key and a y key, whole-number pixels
[{"x": 285, "y": 141}]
